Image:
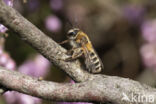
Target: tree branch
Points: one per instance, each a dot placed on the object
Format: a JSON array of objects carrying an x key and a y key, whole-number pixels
[
  {"x": 37, "y": 39},
  {"x": 102, "y": 88},
  {"x": 93, "y": 87}
]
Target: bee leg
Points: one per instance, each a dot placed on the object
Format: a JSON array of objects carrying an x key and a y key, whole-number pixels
[
  {"x": 69, "y": 53},
  {"x": 63, "y": 42},
  {"x": 77, "y": 52}
]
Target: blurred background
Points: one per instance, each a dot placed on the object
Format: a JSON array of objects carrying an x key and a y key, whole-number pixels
[{"x": 123, "y": 32}]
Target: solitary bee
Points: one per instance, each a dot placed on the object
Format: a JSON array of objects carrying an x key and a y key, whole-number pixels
[{"x": 81, "y": 46}]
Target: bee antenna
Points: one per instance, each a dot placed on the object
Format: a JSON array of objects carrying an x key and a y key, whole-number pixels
[
  {"x": 70, "y": 23},
  {"x": 76, "y": 21}
]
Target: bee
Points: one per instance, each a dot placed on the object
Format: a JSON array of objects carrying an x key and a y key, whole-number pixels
[{"x": 82, "y": 46}]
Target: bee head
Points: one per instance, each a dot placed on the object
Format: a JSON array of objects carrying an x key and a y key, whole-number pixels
[{"x": 72, "y": 33}]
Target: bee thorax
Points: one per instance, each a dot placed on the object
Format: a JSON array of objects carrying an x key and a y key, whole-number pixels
[{"x": 73, "y": 44}]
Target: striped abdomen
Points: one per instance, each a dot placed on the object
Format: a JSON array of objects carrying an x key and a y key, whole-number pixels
[{"x": 93, "y": 62}]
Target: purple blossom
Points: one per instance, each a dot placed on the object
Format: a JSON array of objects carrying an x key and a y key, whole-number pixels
[
  {"x": 9, "y": 2},
  {"x": 10, "y": 64},
  {"x": 13, "y": 97},
  {"x": 2, "y": 27},
  {"x": 149, "y": 31},
  {"x": 27, "y": 99},
  {"x": 10, "y": 97},
  {"x": 6, "y": 61},
  {"x": 37, "y": 67},
  {"x": 56, "y": 4},
  {"x": 33, "y": 5},
  {"x": 1, "y": 50},
  {"x": 148, "y": 52},
  {"x": 3, "y": 59},
  {"x": 134, "y": 13},
  {"x": 53, "y": 23}
]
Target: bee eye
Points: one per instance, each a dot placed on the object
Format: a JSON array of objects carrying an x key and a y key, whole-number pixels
[{"x": 73, "y": 33}]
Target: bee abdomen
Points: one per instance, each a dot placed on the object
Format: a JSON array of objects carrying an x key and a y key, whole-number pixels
[{"x": 96, "y": 63}]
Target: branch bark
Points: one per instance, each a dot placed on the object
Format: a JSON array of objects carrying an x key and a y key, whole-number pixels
[
  {"x": 42, "y": 43},
  {"x": 98, "y": 88},
  {"x": 102, "y": 88}
]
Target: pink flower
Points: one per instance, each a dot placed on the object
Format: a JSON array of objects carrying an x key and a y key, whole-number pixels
[
  {"x": 56, "y": 4},
  {"x": 53, "y": 23},
  {"x": 10, "y": 64},
  {"x": 13, "y": 97},
  {"x": 134, "y": 13},
  {"x": 10, "y": 97},
  {"x": 33, "y": 5},
  {"x": 37, "y": 67},
  {"x": 149, "y": 31},
  {"x": 4, "y": 58},
  {"x": 9, "y": 2},
  {"x": 148, "y": 52},
  {"x": 27, "y": 99},
  {"x": 2, "y": 27}
]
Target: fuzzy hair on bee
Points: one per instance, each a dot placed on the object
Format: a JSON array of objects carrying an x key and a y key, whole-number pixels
[{"x": 82, "y": 46}]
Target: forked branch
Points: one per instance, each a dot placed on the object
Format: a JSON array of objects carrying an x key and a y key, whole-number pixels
[{"x": 98, "y": 88}]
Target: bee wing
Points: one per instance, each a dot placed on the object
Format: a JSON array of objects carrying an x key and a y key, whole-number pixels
[
  {"x": 89, "y": 64},
  {"x": 92, "y": 60}
]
